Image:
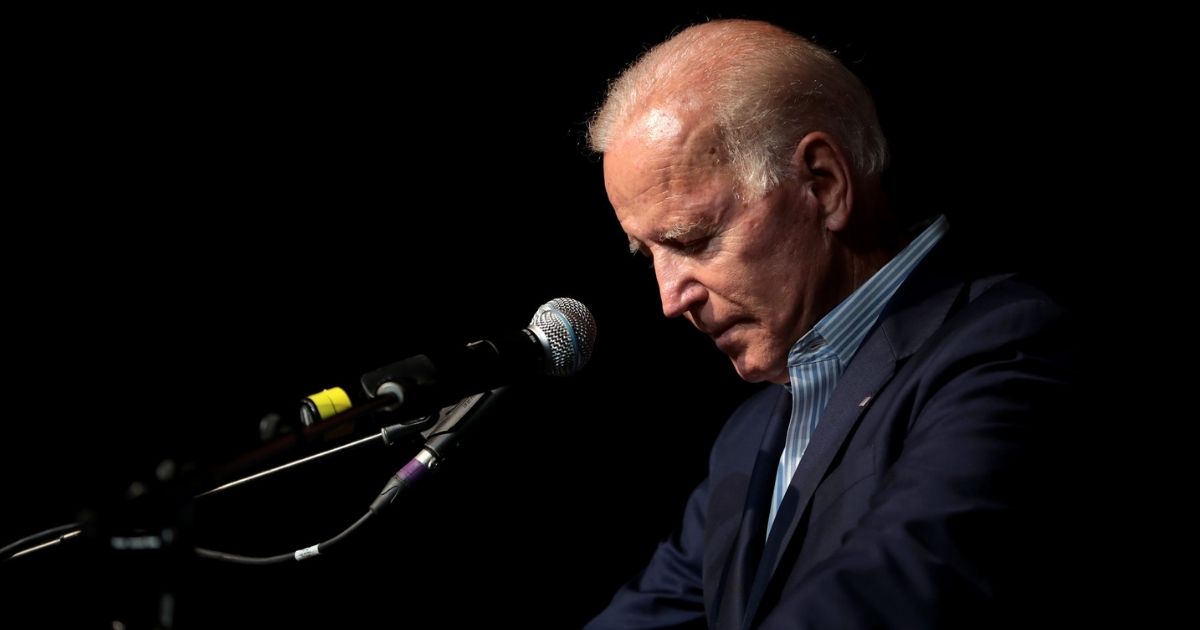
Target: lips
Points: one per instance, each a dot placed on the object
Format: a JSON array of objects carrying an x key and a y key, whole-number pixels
[
  {"x": 719, "y": 330},
  {"x": 719, "y": 333}
]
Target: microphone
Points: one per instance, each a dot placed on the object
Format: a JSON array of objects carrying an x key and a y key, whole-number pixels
[
  {"x": 451, "y": 387},
  {"x": 558, "y": 342}
]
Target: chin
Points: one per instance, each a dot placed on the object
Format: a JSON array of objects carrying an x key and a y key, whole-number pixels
[{"x": 758, "y": 369}]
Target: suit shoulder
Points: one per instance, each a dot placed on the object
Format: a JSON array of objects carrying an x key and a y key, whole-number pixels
[
  {"x": 1014, "y": 304},
  {"x": 1012, "y": 320}
]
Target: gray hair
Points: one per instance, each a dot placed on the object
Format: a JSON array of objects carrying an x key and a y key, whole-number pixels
[{"x": 766, "y": 88}]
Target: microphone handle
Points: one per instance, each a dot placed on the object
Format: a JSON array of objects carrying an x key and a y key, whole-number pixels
[{"x": 426, "y": 383}]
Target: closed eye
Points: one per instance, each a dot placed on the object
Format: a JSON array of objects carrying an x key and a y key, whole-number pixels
[{"x": 693, "y": 246}]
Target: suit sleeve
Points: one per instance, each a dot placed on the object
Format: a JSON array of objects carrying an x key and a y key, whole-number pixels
[
  {"x": 950, "y": 531},
  {"x": 668, "y": 593}
]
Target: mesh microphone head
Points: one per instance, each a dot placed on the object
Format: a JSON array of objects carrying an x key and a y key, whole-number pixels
[{"x": 567, "y": 331}]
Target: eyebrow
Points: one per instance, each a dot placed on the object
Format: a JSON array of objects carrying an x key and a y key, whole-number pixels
[
  {"x": 674, "y": 232},
  {"x": 683, "y": 228}
]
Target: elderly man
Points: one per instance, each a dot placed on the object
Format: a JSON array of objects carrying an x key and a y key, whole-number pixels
[{"x": 890, "y": 481}]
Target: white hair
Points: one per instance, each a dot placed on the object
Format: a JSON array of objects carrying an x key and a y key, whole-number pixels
[{"x": 765, "y": 87}]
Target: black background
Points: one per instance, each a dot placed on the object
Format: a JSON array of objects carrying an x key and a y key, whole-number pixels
[{"x": 213, "y": 215}]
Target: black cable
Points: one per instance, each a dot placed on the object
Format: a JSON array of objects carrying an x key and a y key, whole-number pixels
[
  {"x": 336, "y": 540},
  {"x": 229, "y": 557},
  {"x": 299, "y": 554},
  {"x": 12, "y": 549}
]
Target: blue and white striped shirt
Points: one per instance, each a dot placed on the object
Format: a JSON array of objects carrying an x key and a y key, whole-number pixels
[{"x": 817, "y": 360}]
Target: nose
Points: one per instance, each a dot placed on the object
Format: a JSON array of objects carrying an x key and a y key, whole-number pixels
[{"x": 678, "y": 287}]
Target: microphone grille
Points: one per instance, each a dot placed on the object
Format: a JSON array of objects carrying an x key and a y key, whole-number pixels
[{"x": 570, "y": 331}]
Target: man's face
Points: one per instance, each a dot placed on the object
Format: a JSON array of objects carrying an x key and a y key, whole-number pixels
[{"x": 753, "y": 275}]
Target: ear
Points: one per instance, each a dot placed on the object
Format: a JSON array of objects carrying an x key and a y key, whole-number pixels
[{"x": 825, "y": 172}]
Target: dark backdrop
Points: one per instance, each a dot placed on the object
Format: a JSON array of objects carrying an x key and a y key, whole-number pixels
[{"x": 214, "y": 215}]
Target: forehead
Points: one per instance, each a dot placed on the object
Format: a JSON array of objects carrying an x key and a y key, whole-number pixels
[{"x": 662, "y": 163}]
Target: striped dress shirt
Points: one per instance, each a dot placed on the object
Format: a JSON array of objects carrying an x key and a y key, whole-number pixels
[{"x": 817, "y": 360}]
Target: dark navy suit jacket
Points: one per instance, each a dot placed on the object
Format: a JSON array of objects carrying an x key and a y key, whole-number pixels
[{"x": 919, "y": 500}]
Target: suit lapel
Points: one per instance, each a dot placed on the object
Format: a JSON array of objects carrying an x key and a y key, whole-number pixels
[
  {"x": 870, "y": 370},
  {"x": 747, "y": 546},
  {"x": 916, "y": 311}
]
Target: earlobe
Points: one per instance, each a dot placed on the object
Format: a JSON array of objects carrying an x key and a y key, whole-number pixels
[
  {"x": 826, "y": 171},
  {"x": 836, "y": 221}
]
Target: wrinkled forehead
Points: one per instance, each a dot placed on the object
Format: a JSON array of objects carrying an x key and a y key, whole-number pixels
[{"x": 659, "y": 153}]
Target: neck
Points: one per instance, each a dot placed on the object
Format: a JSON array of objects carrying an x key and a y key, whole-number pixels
[{"x": 876, "y": 238}]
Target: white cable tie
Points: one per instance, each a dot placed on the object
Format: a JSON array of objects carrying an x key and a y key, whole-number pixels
[{"x": 307, "y": 552}]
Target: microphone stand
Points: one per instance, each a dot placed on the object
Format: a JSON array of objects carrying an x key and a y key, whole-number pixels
[
  {"x": 153, "y": 524},
  {"x": 145, "y": 536}
]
